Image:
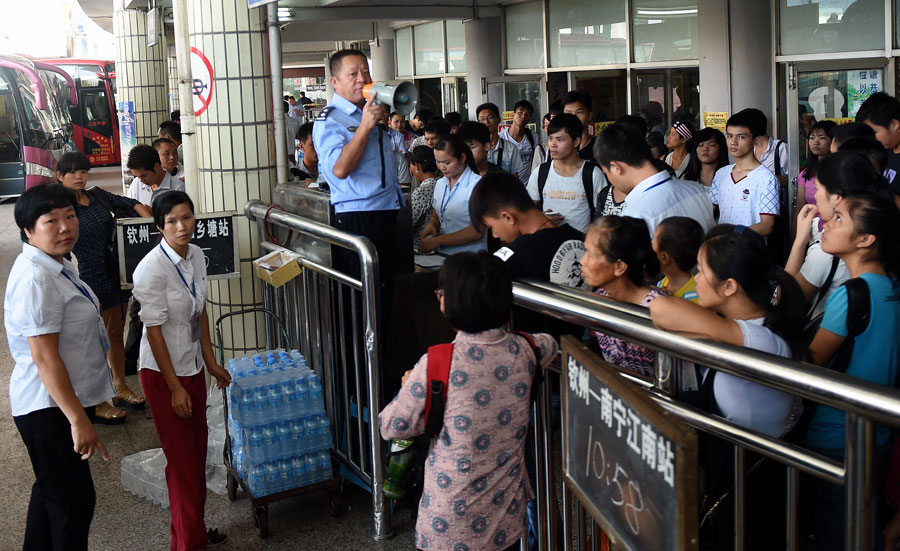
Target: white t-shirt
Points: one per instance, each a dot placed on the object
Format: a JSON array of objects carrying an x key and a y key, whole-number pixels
[
  {"x": 753, "y": 405},
  {"x": 661, "y": 196},
  {"x": 745, "y": 202},
  {"x": 767, "y": 159},
  {"x": 565, "y": 195},
  {"x": 815, "y": 269},
  {"x": 526, "y": 151}
]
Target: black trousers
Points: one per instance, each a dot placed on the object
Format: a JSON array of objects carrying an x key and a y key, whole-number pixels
[
  {"x": 133, "y": 341},
  {"x": 62, "y": 497}
]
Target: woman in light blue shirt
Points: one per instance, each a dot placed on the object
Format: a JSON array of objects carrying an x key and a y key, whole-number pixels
[{"x": 450, "y": 230}]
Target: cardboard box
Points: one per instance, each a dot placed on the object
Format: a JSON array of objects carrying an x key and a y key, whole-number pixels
[{"x": 277, "y": 268}]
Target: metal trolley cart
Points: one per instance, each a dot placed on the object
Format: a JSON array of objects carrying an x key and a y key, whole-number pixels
[{"x": 259, "y": 506}]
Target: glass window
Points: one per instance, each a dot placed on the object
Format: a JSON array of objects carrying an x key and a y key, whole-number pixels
[
  {"x": 838, "y": 94},
  {"x": 665, "y": 95},
  {"x": 587, "y": 32},
  {"x": 525, "y": 36},
  {"x": 830, "y": 26},
  {"x": 456, "y": 46},
  {"x": 664, "y": 30},
  {"x": 403, "y": 47},
  {"x": 429, "y": 40},
  {"x": 608, "y": 90}
]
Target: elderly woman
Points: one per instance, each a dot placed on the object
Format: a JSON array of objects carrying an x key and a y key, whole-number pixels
[
  {"x": 58, "y": 342},
  {"x": 170, "y": 284},
  {"x": 96, "y": 222}
]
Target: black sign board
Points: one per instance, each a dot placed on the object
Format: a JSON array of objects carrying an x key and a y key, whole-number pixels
[
  {"x": 214, "y": 234},
  {"x": 632, "y": 465}
]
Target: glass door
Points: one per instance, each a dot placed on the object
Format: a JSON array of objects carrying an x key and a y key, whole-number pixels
[{"x": 506, "y": 91}]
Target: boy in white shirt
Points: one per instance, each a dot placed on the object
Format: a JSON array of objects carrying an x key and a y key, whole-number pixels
[
  {"x": 566, "y": 190},
  {"x": 746, "y": 193},
  {"x": 519, "y": 134}
]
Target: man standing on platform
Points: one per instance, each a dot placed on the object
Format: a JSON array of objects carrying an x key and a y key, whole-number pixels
[{"x": 357, "y": 159}]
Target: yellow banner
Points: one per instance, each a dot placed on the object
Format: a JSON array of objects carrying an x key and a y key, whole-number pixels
[{"x": 715, "y": 119}]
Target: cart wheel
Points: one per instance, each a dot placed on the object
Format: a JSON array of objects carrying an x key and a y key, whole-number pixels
[
  {"x": 334, "y": 502},
  {"x": 261, "y": 521},
  {"x": 231, "y": 486}
]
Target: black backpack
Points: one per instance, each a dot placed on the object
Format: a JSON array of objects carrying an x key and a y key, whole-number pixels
[{"x": 587, "y": 180}]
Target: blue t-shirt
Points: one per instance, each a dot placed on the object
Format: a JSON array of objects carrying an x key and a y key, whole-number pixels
[
  {"x": 452, "y": 207},
  {"x": 875, "y": 358}
]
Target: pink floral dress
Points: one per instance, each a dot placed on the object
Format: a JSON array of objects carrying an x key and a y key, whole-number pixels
[{"x": 476, "y": 487}]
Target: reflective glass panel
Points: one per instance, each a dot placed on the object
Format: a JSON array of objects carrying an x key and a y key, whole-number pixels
[{"x": 587, "y": 32}]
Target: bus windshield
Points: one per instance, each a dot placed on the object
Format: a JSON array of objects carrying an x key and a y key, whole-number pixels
[{"x": 42, "y": 128}]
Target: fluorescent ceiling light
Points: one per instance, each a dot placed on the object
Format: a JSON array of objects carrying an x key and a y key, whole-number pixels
[{"x": 657, "y": 13}]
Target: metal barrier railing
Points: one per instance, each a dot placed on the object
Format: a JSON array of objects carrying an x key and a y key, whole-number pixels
[
  {"x": 864, "y": 403},
  {"x": 332, "y": 318}
]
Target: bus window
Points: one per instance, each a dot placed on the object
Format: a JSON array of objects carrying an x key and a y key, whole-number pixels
[
  {"x": 40, "y": 128},
  {"x": 96, "y": 107},
  {"x": 9, "y": 129}
]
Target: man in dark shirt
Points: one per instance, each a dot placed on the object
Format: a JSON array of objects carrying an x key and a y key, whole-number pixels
[
  {"x": 881, "y": 112},
  {"x": 533, "y": 247},
  {"x": 579, "y": 104}
]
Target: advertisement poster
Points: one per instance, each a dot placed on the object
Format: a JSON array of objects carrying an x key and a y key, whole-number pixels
[
  {"x": 127, "y": 130},
  {"x": 860, "y": 85},
  {"x": 714, "y": 119}
]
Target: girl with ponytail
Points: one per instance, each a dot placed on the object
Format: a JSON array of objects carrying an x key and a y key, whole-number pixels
[
  {"x": 744, "y": 300},
  {"x": 618, "y": 259}
]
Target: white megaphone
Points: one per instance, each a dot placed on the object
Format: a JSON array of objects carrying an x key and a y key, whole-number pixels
[{"x": 400, "y": 97}]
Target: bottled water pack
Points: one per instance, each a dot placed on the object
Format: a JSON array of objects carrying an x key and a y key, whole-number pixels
[{"x": 280, "y": 432}]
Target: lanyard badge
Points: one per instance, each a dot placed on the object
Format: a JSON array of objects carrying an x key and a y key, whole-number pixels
[
  {"x": 197, "y": 309},
  {"x": 101, "y": 327}
]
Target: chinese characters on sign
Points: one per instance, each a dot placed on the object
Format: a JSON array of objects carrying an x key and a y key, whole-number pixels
[{"x": 861, "y": 85}]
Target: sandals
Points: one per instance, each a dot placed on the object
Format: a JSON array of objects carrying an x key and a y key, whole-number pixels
[
  {"x": 127, "y": 398},
  {"x": 105, "y": 414}
]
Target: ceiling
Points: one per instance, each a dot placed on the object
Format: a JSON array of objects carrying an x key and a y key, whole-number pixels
[{"x": 312, "y": 27}]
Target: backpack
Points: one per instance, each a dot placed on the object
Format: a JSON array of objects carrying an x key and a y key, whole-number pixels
[
  {"x": 439, "y": 359},
  {"x": 858, "y": 316},
  {"x": 587, "y": 180},
  {"x": 530, "y": 137},
  {"x": 812, "y": 325}
]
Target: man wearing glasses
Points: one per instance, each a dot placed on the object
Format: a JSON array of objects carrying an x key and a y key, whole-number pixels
[{"x": 502, "y": 153}]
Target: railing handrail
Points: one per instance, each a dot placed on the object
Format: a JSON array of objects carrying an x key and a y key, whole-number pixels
[{"x": 826, "y": 386}]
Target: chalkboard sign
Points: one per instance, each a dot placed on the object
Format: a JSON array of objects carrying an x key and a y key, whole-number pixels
[
  {"x": 632, "y": 465},
  {"x": 214, "y": 234}
]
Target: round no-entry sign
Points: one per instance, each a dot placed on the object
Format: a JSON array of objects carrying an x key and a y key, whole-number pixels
[{"x": 202, "y": 74}]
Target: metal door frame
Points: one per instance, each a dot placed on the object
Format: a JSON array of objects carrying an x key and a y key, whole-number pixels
[{"x": 540, "y": 78}]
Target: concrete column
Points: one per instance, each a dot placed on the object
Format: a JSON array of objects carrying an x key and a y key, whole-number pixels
[
  {"x": 173, "y": 71},
  {"x": 483, "y": 57},
  {"x": 729, "y": 52},
  {"x": 383, "y": 59},
  {"x": 234, "y": 143},
  {"x": 329, "y": 89},
  {"x": 141, "y": 74}
]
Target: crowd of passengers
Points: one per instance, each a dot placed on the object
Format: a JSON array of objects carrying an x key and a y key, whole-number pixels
[{"x": 677, "y": 229}]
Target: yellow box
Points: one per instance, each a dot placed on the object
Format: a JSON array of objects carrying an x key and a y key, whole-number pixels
[{"x": 277, "y": 268}]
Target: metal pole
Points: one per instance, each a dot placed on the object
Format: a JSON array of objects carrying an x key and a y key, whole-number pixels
[
  {"x": 859, "y": 486},
  {"x": 281, "y": 160},
  {"x": 186, "y": 95},
  {"x": 793, "y": 493},
  {"x": 665, "y": 367},
  {"x": 739, "y": 491},
  {"x": 540, "y": 466}
]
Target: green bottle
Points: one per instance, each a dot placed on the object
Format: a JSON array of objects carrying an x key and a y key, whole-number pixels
[{"x": 398, "y": 465}]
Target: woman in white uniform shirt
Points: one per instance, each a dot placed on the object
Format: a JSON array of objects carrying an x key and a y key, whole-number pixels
[
  {"x": 170, "y": 284},
  {"x": 743, "y": 300},
  {"x": 450, "y": 230},
  {"x": 58, "y": 342}
]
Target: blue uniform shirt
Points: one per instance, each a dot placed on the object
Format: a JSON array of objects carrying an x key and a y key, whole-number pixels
[
  {"x": 452, "y": 207},
  {"x": 362, "y": 189}
]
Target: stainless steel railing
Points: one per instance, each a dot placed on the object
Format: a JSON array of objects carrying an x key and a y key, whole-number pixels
[
  {"x": 332, "y": 318},
  {"x": 865, "y": 403}
]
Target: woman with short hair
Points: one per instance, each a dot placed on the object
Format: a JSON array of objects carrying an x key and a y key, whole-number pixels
[{"x": 58, "y": 342}]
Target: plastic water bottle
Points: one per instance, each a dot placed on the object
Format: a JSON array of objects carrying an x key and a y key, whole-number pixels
[
  {"x": 275, "y": 399},
  {"x": 245, "y": 407},
  {"x": 397, "y": 467},
  {"x": 272, "y": 477},
  {"x": 312, "y": 468},
  {"x": 289, "y": 394},
  {"x": 324, "y": 460},
  {"x": 324, "y": 432},
  {"x": 255, "y": 438},
  {"x": 316, "y": 402},
  {"x": 302, "y": 394},
  {"x": 268, "y": 441},
  {"x": 257, "y": 480},
  {"x": 260, "y": 402},
  {"x": 312, "y": 433},
  {"x": 283, "y": 437},
  {"x": 298, "y": 466},
  {"x": 298, "y": 436},
  {"x": 286, "y": 473}
]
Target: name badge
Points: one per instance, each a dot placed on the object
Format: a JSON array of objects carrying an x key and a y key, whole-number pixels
[
  {"x": 104, "y": 338},
  {"x": 195, "y": 326}
]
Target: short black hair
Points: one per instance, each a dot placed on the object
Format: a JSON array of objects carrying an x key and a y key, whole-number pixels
[
  {"x": 752, "y": 119},
  {"x": 635, "y": 122},
  {"x": 165, "y": 202},
  {"x": 159, "y": 141},
  {"x": 871, "y": 148},
  {"x": 568, "y": 123},
  {"x": 477, "y": 291},
  {"x": 304, "y": 131},
  {"x": 492, "y": 107},
  {"x": 39, "y": 200},
  {"x": 555, "y": 108},
  {"x": 474, "y": 131},
  {"x": 175, "y": 115},
  {"x": 72, "y": 161},
  {"x": 424, "y": 115},
  {"x": 681, "y": 237},
  {"x": 453, "y": 118},
  {"x": 494, "y": 192},
  {"x": 423, "y": 156},
  {"x": 334, "y": 62},
  {"x": 303, "y": 94},
  {"x": 143, "y": 156},
  {"x": 437, "y": 125},
  {"x": 454, "y": 146},
  {"x": 576, "y": 96},
  {"x": 627, "y": 239},
  {"x": 880, "y": 108},
  {"x": 846, "y": 132},
  {"x": 171, "y": 130},
  {"x": 525, "y": 104},
  {"x": 622, "y": 144},
  {"x": 847, "y": 172}
]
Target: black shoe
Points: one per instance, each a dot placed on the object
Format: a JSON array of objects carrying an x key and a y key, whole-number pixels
[{"x": 215, "y": 538}]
